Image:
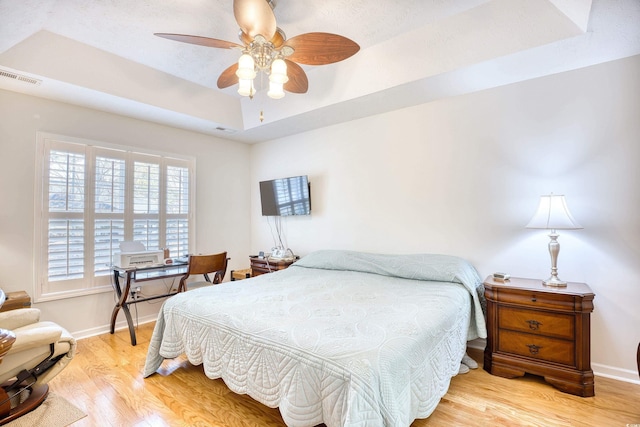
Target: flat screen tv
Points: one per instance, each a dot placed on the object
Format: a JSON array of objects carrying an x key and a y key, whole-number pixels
[{"x": 286, "y": 196}]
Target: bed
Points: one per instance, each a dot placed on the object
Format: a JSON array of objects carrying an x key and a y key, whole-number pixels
[{"x": 340, "y": 337}]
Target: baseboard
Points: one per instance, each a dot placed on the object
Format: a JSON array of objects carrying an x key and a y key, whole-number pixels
[
  {"x": 599, "y": 370},
  {"x": 104, "y": 329},
  {"x": 626, "y": 375}
]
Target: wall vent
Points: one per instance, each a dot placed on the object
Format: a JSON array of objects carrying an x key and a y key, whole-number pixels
[
  {"x": 19, "y": 77},
  {"x": 227, "y": 130}
]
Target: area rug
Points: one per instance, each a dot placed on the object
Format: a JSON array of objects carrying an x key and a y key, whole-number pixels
[{"x": 55, "y": 411}]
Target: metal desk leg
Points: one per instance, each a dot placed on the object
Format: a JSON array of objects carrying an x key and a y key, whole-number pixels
[
  {"x": 122, "y": 303},
  {"x": 116, "y": 308},
  {"x": 132, "y": 329}
]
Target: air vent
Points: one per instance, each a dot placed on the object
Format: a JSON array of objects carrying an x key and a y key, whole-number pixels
[
  {"x": 227, "y": 130},
  {"x": 19, "y": 77}
]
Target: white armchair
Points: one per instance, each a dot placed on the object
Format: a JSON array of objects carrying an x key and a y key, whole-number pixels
[{"x": 40, "y": 351}]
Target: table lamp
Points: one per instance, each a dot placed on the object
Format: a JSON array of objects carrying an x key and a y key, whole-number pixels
[{"x": 553, "y": 214}]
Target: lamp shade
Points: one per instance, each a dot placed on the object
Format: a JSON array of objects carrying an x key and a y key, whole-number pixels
[{"x": 553, "y": 214}]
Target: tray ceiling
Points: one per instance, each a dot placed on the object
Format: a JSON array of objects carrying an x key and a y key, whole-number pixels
[{"x": 104, "y": 55}]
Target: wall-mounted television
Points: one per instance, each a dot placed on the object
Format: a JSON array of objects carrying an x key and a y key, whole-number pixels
[{"x": 286, "y": 196}]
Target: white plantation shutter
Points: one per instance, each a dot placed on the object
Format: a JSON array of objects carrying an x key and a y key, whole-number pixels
[
  {"x": 110, "y": 191},
  {"x": 177, "y": 228},
  {"x": 146, "y": 204},
  {"x": 95, "y": 197},
  {"x": 65, "y": 225}
]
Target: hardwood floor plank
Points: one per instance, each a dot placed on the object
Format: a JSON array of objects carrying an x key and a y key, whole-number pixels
[{"x": 105, "y": 380}]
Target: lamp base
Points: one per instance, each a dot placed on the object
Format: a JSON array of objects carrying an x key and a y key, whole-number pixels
[{"x": 553, "y": 281}]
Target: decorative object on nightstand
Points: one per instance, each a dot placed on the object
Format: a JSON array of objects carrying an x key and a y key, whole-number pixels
[
  {"x": 541, "y": 330},
  {"x": 553, "y": 214}
]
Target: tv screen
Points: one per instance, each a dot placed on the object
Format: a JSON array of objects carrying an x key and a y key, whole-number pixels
[{"x": 285, "y": 196}]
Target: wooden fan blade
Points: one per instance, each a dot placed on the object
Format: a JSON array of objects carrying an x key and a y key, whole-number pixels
[
  {"x": 245, "y": 38},
  {"x": 228, "y": 76},
  {"x": 278, "y": 38},
  {"x": 298, "y": 82},
  {"x": 321, "y": 48},
  {"x": 202, "y": 41},
  {"x": 255, "y": 17}
]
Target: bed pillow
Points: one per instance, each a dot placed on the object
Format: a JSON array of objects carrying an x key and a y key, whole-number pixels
[
  {"x": 425, "y": 267},
  {"x": 441, "y": 268}
]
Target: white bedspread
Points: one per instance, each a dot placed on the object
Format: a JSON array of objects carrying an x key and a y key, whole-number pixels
[{"x": 330, "y": 345}]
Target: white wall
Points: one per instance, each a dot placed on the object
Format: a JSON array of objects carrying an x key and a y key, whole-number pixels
[
  {"x": 222, "y": 196},
  {"x": 463, "y": 175},
  {"x": 459, "y": 176}
]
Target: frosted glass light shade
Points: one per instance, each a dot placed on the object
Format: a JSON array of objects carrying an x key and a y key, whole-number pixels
[
  {"x": 245, "y": 87},
  {"x": 246, "y": 67},
  {"x": 278, "y": 72},
  {"x": 553, "y": 214},
  {"x": 275, "y": 90}
]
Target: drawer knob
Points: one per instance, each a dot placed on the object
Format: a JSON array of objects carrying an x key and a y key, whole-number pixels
[
  {"x": 533, "y": 349},
  {"x": 534, "y": 299},
  {"x": 533, "y": 324}
]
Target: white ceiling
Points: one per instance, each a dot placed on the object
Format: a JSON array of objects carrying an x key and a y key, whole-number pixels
[{"x": 103, "y": 55}]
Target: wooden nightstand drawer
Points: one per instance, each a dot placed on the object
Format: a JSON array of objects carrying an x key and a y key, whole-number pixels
[
  {"x": 537, "y": 347},
  {"x": 535, "y": 299},
  {"x": 537, "y": 322}
]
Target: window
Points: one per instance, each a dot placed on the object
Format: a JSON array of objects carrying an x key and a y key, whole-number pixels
[{"x": 92, "y": 197}]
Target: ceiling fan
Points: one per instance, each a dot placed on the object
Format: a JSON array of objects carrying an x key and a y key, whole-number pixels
[{"x": 265, "y": 48}]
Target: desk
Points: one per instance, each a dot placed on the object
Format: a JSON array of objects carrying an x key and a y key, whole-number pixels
[{"x": 140, "y": 274}]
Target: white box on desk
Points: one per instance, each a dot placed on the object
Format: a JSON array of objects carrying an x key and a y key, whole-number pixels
[{"x": 138, "y": 259}]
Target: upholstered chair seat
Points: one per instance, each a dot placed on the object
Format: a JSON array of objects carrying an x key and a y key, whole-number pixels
[{"x": 40, "y": 351}]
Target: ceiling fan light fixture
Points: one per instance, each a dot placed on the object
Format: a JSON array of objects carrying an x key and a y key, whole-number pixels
[
  {"x": 264, "y": 47},
  {"x": 278, "y": 72},
  {"x": 246, "y": 67},
  {"x": 246, "y": 88},
  {"x": 276, "y": 90}
]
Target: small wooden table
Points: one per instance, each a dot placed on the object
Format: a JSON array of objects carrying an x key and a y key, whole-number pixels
[
  {"x": 16, "y": 300},
  {"x": 269, "y": 265},
  {"x": 240, "y": 274}
]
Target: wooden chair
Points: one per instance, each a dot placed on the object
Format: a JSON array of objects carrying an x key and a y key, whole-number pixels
[{"x": 215, "y": 264}]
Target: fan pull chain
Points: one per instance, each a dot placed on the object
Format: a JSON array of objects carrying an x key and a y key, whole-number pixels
[{"x": 262, "y": 99}]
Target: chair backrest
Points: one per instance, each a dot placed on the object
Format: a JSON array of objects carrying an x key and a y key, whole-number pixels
[{"x": 215, "y": 264}]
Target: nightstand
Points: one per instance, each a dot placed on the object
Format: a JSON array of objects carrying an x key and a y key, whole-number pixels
[
  {"x": 540, "y": 330},
  {"x": 269, "y": 265}
]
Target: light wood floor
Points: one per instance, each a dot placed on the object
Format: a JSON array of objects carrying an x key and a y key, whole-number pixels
[{"x": 105, "y": 381}]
